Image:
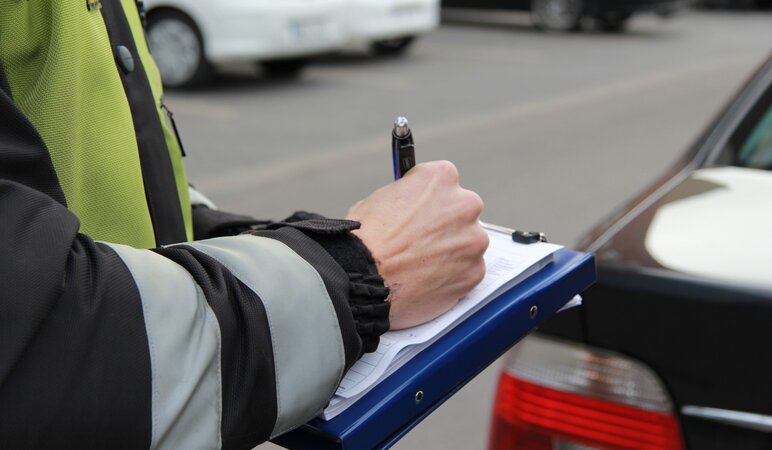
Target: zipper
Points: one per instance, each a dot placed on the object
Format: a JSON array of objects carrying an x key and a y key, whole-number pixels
[
  {"x": 170, "y": 115},
  {"x": 142, "y": 13}
]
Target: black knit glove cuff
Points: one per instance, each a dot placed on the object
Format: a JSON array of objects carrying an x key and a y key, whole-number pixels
[
  {"x": 370, "y": 309},
  {"x": 367, "y": 291}
]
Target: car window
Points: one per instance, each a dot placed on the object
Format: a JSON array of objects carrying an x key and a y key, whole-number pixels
[
  {"x": 751, "y": 143},
  {"x": 756, "y": 152}
]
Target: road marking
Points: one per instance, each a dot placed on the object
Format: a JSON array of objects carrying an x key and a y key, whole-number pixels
[
  {"x": 370, "y": 80},
  {"x": 255, "y": 175}
]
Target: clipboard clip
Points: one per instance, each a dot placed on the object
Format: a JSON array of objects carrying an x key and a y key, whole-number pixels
[
  {"x": 528, "y": 237},
  {"x": 521, "y": 237}
]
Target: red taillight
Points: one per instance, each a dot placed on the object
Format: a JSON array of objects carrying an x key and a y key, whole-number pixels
[
  {"x": 536, "y": 415},
  {"x": 558, "y": 396}
]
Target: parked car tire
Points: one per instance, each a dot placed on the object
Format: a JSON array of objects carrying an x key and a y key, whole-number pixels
[
  {"x": 284, "y": 68},
  {"x": 557, "y": 15},
  {"x": 613, "y": 23},
  {"x": 392, "y": 46},
  {"x": 178, "y": 48}
]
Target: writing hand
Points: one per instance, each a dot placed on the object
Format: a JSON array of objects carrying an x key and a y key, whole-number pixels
[{"x": 424, "y": 234}]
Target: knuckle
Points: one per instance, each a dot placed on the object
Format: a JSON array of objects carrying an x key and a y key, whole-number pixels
[
  {"x": 482, "y": 240},
  {"x": 471, "y": 204},
  {"x": 477, "y": 273},
  {"x": 447, "y": 170},
  {"x": 476, "y": 203}
]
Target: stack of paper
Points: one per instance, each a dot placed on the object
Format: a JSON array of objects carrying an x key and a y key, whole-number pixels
[{"x": 507, "y": 263}]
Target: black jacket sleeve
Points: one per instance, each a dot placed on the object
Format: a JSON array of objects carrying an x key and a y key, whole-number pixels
[{"x": 215, "y": 343}]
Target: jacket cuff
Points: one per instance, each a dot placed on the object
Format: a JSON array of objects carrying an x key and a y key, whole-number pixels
[
  {"x": 211, "y": 223},
  {"x": 367, "y": 291}
]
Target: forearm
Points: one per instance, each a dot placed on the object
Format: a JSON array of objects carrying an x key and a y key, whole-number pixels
[{"x": 226, "y": 341}]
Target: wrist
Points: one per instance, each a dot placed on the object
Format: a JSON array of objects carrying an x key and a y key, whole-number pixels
[{"x": 367, "y": 290}]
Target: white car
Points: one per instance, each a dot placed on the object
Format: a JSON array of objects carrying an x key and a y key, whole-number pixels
[
  {"x": 189, "y": 37},
  {"x": 390, "y": 26}
]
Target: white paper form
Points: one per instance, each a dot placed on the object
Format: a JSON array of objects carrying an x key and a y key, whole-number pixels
[{"x": 506, "y": 263}]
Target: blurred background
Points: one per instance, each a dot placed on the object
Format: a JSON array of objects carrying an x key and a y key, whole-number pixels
[{"x": 555, "y": 112}]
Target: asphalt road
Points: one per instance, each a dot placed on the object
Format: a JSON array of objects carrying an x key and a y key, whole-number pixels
[{"x": 553, "y": 131}]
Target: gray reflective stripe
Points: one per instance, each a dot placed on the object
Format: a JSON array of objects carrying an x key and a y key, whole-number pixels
[
  {"x": 184, "y": 339},
  {"x": 307, "y": 344}
]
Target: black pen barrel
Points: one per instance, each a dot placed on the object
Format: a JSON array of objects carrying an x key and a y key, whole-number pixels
[{"x": 402, "y": 147}]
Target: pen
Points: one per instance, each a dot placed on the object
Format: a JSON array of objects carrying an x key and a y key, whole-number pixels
[
  {"x": 402, "y": 148},
  {"x": 521, "y": 237}
]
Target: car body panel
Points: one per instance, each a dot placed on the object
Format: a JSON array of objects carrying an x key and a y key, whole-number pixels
[
  {"x": 243, "y": 30},
  {"x": 760, "y": 4},
  {"x": 592, "y": 7},
  {"x": 371, "y": 20},
  {"x": 683, "y": 232},
  {"x": 708, "y": 150},
  {"x": 701, "y": 338},
  {"x": 685, "y": 279}
]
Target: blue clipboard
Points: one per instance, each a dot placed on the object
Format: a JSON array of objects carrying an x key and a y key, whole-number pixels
[{"x": 393, "y": 407}]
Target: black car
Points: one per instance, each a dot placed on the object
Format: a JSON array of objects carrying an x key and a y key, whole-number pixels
[
  {"x": 566, "y": 15},
  {"x": 672, "y": 347},
  {"x": 760, "y": 4}
]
